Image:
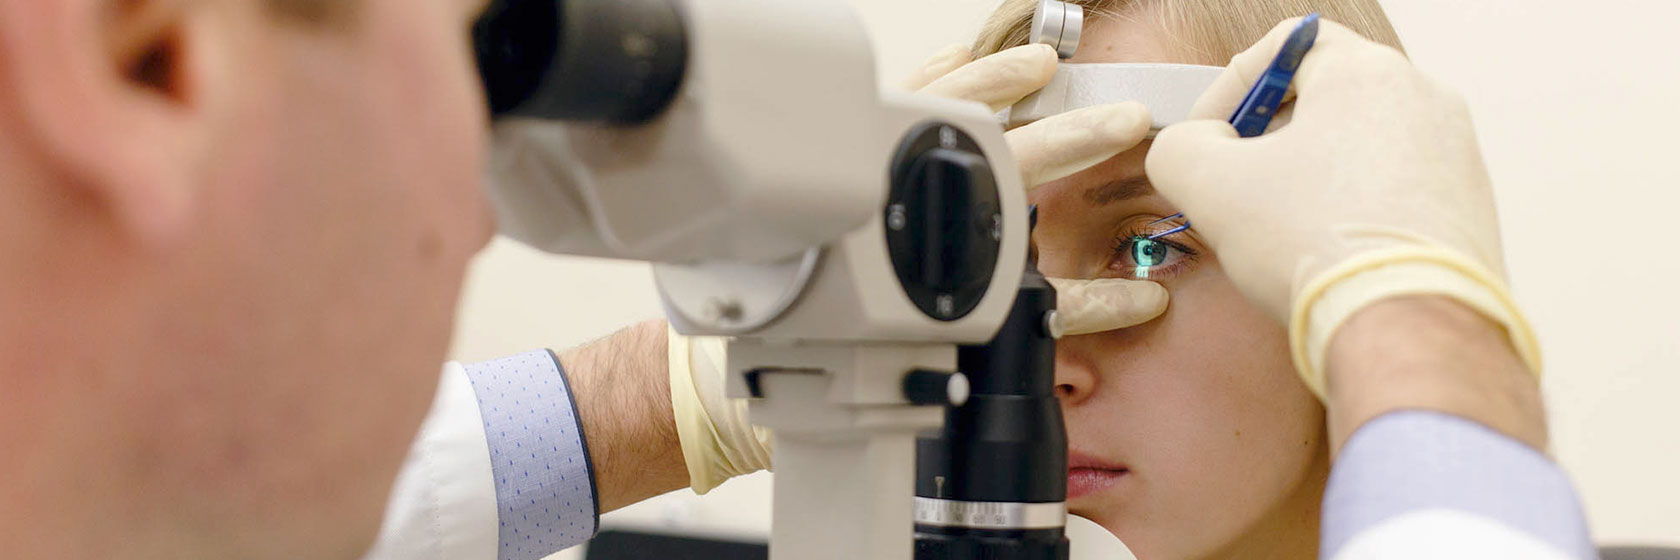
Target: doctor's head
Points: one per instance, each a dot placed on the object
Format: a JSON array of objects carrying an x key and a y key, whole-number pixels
[
  {"x": 1190, "y": 435},
  {"x": 232, "y": 233}
]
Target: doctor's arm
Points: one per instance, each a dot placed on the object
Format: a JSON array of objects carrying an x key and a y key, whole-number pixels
[
  {"x": 1438, "y": 428},
  {"x": 520, "y": 455},
  {"x": 622, "y": 389}
]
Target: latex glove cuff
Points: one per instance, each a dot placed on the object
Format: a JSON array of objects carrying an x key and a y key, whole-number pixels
[
  {"x": 1335, "y": 295},
  {"x": 718, "y": 443}
]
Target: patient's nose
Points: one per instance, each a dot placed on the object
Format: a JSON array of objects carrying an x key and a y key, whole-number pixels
[{"x": 1076, "y": 374}]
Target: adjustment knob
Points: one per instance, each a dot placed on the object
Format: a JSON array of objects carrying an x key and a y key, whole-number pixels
[
  {"x": 941, "y": 206},
  {"x": 927, "y": 387},
  {"x": 944, "y": 222}
]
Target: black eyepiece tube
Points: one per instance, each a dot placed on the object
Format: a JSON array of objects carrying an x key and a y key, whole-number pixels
[
  {"x": 612, "y": 61},
  {"x": 993, "y": 482}
]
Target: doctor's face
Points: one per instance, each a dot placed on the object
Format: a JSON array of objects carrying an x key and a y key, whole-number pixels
[
  {"x": 323, "y": 282},
  {"x": 1190, "y": 435}
]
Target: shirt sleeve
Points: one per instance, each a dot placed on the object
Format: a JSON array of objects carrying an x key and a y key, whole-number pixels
[
  {"x": 539, "y": 460},
  {"x": 500, "y": 469},
  {"x": 1419, "y": 484},
  {"x": 443, "y": 505}
]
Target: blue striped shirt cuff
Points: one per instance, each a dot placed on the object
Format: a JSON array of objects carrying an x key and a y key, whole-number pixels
[
  {"x": 545, "y": 490},
  {"x": 1413, "y": 461}
]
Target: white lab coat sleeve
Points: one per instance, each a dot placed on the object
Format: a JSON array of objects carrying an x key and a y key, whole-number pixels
[
  {"x": 443, "y": 506},
  {"x": 1420, "y": 484},
  {"x": 500, "y": 469}
]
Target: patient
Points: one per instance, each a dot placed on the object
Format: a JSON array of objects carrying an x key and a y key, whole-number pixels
[{"x": 1190, "y": 435}]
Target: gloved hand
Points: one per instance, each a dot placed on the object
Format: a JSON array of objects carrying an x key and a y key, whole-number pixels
[
  {"x": 1374, "y": 189},
  {"x": 719, "y": 443},
  {"x": 1051, "y": 149}
]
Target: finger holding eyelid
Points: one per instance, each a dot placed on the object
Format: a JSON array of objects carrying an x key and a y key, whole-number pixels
[
  {"x": 1106, "y": 304},
  {"x": 1071, "y": 142}
]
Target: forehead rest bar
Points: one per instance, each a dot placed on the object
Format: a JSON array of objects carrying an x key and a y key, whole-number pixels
[{"x": 1168, "y": 90}]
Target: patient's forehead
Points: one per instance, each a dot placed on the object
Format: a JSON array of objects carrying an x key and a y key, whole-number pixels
[
  {"x": 1114, "y": 181},
  {"x": 1134, "y": 38}
]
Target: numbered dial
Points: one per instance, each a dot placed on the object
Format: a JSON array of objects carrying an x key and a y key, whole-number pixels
[{"x": 944, "y": 221}]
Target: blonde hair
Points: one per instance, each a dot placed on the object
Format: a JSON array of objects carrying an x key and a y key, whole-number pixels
[{"x": 1208, "y": 31}]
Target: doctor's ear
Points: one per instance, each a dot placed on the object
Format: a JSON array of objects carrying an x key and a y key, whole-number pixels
[{"x": 120, "y": 100}]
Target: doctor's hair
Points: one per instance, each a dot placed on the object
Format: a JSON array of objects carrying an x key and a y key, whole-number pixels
[{"x": 1208, "y": 32}]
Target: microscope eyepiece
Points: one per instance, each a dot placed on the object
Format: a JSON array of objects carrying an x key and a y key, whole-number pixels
[{"x": 612, "y": 61}]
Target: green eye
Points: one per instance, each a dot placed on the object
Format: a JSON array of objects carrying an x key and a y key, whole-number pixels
[
  {"x": 1138, "y": 257},
  {"x": 1147, "y": 252}
]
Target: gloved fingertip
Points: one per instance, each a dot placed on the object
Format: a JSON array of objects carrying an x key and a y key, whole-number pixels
[
  {"x": 1037, "y": 60},
  {"x": 949, "y": 58},
  {"x": 1125, "y": 124},
  {"x": 1203, "y": 129},
  {"x": 999, "y": 80},
  {"x": 1038, "y": 49},
  {"x": 1140, "y": 299},
  {"x": 953, "y": 50},
  {"x": 1151, "y": 299},
  {"x": 1106, "y": 304},
  {"x": 937, "y": 66},
  {"x": 1183, "y": 147}
]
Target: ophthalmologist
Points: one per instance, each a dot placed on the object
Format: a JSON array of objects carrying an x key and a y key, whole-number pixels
[{"x": 233, "y": 233}]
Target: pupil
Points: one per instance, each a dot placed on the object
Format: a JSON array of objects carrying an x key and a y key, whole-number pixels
[{"x": 1146, "y": 252}]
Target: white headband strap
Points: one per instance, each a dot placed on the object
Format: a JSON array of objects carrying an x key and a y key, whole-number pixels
[{"x": 1168, "y": 90}]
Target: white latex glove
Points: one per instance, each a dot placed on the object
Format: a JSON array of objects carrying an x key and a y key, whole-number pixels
[
  {"x": 1374, "y": 189},
  {"x": 717, "y": 440},
  {"x": 1051, "y": 149}
]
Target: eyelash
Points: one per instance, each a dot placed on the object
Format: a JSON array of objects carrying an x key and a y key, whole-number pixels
[{"x": 1123, "y": 244}]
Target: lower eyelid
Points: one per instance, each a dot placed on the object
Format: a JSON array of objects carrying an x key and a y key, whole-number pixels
[
  {"x": 1156, "y": 273},
  {"x": 1166, "y": 273}
]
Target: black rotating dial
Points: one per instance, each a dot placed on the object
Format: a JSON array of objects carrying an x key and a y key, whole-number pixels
[{"x": 944, "y": 220}]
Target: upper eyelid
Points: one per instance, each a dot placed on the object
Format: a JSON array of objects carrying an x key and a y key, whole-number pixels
[{"x": 1150, "y": 224}]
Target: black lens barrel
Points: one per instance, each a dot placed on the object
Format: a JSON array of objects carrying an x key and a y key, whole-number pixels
[
  {"x": 611, "y": 61},
  {"x": 1006, "y": 447}
]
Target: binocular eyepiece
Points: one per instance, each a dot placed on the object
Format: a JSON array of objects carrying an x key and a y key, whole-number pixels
[{"x": 609, "y": 61}]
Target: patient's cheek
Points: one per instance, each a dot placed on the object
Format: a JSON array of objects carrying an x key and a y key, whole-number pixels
[{"x": 1201, "y": 282}]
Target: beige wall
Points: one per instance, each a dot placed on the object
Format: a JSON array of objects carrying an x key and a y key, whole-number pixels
[{"x": 1577, "y": 104}]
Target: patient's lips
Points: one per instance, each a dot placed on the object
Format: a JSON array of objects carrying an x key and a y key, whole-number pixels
[{"x": 1088, "y": 474}]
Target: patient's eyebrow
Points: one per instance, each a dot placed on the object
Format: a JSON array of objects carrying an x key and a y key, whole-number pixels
[{"x": 1119, "y": 190}]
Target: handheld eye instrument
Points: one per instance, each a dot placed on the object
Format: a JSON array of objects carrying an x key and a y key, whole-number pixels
[{"x": 1261, "y": 104}]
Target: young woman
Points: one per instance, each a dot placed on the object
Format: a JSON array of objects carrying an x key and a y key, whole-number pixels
[{"x": 1191, "y": 436}]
